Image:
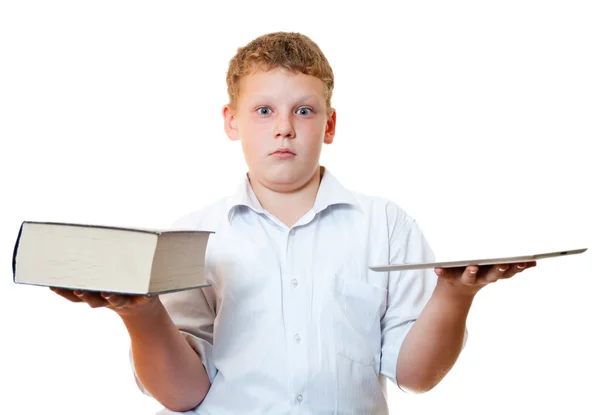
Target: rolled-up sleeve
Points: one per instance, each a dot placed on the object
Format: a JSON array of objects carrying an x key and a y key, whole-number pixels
[
  {"x": 409, "y": 290},
  {"x": 193, "y": 313}
]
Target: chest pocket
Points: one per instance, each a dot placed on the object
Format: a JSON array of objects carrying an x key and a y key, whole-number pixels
[{"x": 360, "y": 307}]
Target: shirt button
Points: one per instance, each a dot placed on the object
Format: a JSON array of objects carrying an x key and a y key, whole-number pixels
[
  {"x": 294, "y": 282},
  {"x": 299, "y": 398},
  {"x": 297, "y": 338}
]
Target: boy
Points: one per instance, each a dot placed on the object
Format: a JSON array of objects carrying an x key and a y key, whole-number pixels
[{"x": 294, "y": 321}]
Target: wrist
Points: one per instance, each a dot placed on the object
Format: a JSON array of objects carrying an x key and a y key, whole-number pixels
[
  {"x": 454, "y": 292},
  {"x": 142, "y": 313}
]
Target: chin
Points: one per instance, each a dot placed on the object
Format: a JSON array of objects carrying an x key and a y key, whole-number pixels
[
  {"x": 285, "y": 179},
  {"x": 282, "y": 179}
]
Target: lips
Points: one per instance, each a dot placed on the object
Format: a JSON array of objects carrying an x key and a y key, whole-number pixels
[{"x": 283, "y": 151}]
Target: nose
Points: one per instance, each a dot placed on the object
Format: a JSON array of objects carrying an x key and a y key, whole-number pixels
[{"x": 284, "y": 128}]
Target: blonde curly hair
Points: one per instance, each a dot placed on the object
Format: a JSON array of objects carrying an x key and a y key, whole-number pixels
[{"x": 292, "y": 51}]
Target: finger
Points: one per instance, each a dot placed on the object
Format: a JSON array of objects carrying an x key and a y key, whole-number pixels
[
  {"x": 93, "y": 299},
  {"x": 516, "y": 268},
  {"x": 143, "y": 299},
  {"x": 450, "y": 274},
  {"x": 441, "y": 272},
  {"x": 116, "y": 300},
  {"x": 496, "y": 272},
  {"x": 469, "y": 275},
  {"x": 66, "y": 293}
]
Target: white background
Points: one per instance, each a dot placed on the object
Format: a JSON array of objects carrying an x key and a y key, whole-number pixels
[{"x": 481, "y": 119}]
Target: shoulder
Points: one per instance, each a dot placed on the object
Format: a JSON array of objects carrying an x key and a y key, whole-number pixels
[
  {"x": 384, "y": 211},
  {"x": 392, "y": 225},
  {"x": 207, "y": 217}
]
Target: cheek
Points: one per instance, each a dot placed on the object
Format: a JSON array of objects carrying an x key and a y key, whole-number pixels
[
  {"x": 253, "y": 142},
  {"x": 315, "y": 137},
  {"x": 257, "y": 131}
]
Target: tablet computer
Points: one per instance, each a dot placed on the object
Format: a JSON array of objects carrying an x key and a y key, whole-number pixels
[{"x": 482, "y": 261}]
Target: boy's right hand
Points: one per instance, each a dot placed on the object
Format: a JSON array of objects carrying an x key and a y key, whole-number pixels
[{"x": 124, "y": 305}]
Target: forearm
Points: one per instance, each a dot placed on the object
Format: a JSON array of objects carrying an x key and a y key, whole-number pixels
[
  {"x": 165, "y": 363},
  {"x": 434, "y": 342}
]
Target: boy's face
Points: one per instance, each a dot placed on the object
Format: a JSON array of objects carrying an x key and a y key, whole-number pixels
[{"x": 281, "y": 120}]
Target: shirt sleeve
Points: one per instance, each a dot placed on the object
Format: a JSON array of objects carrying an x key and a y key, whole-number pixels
[
  {"x": 409, "y": 290},
  {"x": 193, "y": 312}
]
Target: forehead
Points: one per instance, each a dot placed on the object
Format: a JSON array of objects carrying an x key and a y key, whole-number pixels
[{"x": 281, "y": 83}]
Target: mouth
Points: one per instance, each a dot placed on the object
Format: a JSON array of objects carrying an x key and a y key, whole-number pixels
[{"x": 283, "y": 152}]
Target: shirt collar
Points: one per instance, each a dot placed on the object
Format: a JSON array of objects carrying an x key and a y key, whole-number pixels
[{"x": 331, "y": 192}]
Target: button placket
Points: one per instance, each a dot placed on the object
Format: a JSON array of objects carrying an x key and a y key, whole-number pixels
[{"x": 295, "y": 301}]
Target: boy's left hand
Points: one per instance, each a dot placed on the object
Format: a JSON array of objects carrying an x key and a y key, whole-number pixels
[{"x": 469, "y": 280}]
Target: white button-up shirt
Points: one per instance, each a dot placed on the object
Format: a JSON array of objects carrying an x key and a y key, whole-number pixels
[{"x": 294, "y": 322}]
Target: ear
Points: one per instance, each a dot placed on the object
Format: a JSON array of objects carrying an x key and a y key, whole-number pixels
[
  {"x": 230, "y": 123},
  {"x": 330, "y": 127}
]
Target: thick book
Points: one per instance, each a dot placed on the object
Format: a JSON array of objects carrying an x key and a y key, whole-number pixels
[
  {"x": 480, "y": 261},
  {"x": 109, "y": 259}
]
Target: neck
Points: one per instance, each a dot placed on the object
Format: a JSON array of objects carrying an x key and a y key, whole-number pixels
[{"x": 290, "y": 206}]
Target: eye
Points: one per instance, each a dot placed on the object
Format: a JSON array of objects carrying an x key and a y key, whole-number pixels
[
  {"x": 304, "y": 111},
  {"x": 264, "y": 111}
]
